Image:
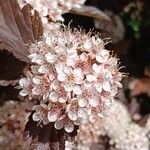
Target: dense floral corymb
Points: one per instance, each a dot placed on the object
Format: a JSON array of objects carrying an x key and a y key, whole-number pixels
[
  {"x": 54, "y": 8},
  {"x": 75, "y": 76}
]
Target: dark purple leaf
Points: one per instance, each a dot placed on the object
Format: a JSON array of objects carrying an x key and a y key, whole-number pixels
[
  {"x": 48, "y": 134},
  {"x": 18, "y": 28}
]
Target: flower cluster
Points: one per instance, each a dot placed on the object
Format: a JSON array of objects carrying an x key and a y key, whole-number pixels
[
  {"x": 118, "y": 126},
  {"x": 148, "y": 126},
  {"x": 75, "y": 77},
  {"x": 134, "y": 138},
  {"x": 89, "y": 133},
  {"x": 101, "y": 126},
  {"x": 124, "y": 133},
  {"x": 13, "y": 118},
  {"x": 54, "y": 8}
]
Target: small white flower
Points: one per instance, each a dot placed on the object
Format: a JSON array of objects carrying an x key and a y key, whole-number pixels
[
  {"x": 37, "y": 80},
  {"x": 62, "y": 100},
  {"x": 97, "y": 69},
  {"x": 54, "y": 85},
  {"x": 102, "y": 56},
  {"x": 78, "y": 73},
  {"x": 94, "y": 102},
  {"x": 59, "y": 124},
  {"x": 106, "y": 86},
  {"x": 52, "y": 116},
  {"x": 24, "y": 92},
  {"x": 77, "y": 90},
  {"x": 69, "y": 127},
  {"x": 24, "y": 82},
  {"x": 59, "y": 67},
  {"x": 70, "y": 62},
  {"x": 37, "y": 58},
  {"x": 98, "y": 87},
  {"x": 34, "y": 69},
  {"x": 84, "y": 56},
  {"x": 37, "y": 116},
  {"x": 82, "y": 102},
  {"x": 67, "y": 70},
  {"x": 43, "y": 69},
  {"x": 72, "y": 50},
  {"x": 51, "y": 58},
  {"x": 61, "y": 76},
  {"x": 82, "y": 113},
  {"x": 32, "y": 56},
  {"x": 68, "y": 87},
  {"x": 36, "y": 90},
  {"x": 45, "y": 11},
  {"x": 87, "y": 45},
  {"x": 48, "y": 41},
  {"x": 53, "y": 96},
  {"x": 72, "y": 115},
  {"x": 90, "y": 78}
]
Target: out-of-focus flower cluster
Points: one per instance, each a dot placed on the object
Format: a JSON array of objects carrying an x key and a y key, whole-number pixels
[
  {"x": 148, "y": 126},
  {"x": 13, "y": 117},
  {"x": 118, "y": 126},
  {"x": 54, "y": 9},
  {"x": 75, "y": 77}
]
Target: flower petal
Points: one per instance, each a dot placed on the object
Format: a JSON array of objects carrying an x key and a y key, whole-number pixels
[
  {"x": 24, "y": 82},
  {"x": 102, "y": 56},
  {"x": 94, "y": 102},
  {"x": 51, "y": 58},
  {"x": 82, "y": 113},
  {"x": 24, "y": 92},
  {"x": 37, "y": 116},
  {"x": 52, "y": 116},
  {"x": 59, "y": 124},
  {"x": 87, "y": 45},
  {"x": 69, "y": 127},
  {"x": 59, "y": 67},
  {"x": 68, "y": 87},
  {"x": 43, "y": 69},
  {"x": 82, "y": 102},
  {"x": 77, "y": 90},
  {"x": 37, "y": 80},
  {"x": 62, "y": 100},
  {"x": 106, "y": 86},
  {"x": 84, "y": 56},
  {"x": 98, "y": 87},
  {"x": 72, "y": 115},
  {"x": 61, "y": 76},
  {"x": 96, "y": 68},
  {"x": 78, "y": 72},
  {"x": 53, "y": 96},
  {"x": 90, "y": 78}
]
